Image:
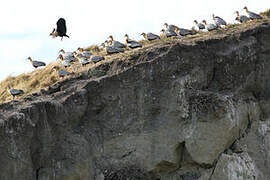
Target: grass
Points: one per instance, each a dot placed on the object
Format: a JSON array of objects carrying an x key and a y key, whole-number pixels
[{"x": 41, "y": 78}]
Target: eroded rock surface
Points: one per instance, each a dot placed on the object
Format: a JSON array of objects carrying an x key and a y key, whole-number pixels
[{"x": 194, "y": 111}]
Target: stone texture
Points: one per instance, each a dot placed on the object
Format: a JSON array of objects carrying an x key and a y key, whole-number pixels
[{"x": 186, "y": 110}]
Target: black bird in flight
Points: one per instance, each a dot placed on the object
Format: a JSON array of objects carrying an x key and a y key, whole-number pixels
[{"x": 61, "y": 29}]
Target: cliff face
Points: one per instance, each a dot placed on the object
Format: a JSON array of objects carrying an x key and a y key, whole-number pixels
[{"x": 186, "y": 110}]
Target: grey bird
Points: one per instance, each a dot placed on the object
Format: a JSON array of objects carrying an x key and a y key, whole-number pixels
[
  {"x": 241, "y": 18},
  {"x": 252, "y": 15},
  {"x": 65, "y": 62},
  {"x": 96, "y": 59},
  {"x": 115, "y": 43},
  {"x": 200, "y": 26},
  {"x": 150, "y": 36},
  {"x": 68, "y": 56},
  {"x": 111, "y": 49},
  {"x": 210, "y": 27},
  {"x": 36, "y": 64},
  {"x": 170, "y": 27},
  {"x": 15, "y": 92},
  {"x": 132, "y": 43},
  {"x": 219, "y": 21},
  {"x": 84, "y": 53},
  {"x": 61, "y": 73},
  {"x": 183, "y": 32},
  {"x": 82, "y": 59},
  {"x": 168, "y": 33}
]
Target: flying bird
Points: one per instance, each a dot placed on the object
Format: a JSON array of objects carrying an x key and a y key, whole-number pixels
[
  {"x": 36, "y": 64},
  {"x": 150, "y": 36},
  {"x": 61, "y": 29},
  {"x": 252, "y": 15}
]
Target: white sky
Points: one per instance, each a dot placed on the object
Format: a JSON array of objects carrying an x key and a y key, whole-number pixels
[{"x": 25, "y": 25}]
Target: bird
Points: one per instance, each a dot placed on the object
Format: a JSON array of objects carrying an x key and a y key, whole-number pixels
[
  {"x": 84, "y": 53},
  {"x": 15, "y": 92},
  {"x": 82, "y": 59},
  {"x": 200, "y": 26},
  {"x": 210, "y": 27},
  {"x": 111, "y": 49},
  {"x": 132, "y": 43},
  {"x": 170, "y": 27},
  {"x": 219, "y": 21},
  {"x": 65, "y": 62},
  {"x": 61, "y": 29},
  {"x": 95, "y": 58},
  {"x": 115, "y": 43},
  {"x": 252, "y": 15},
  {"x": 168, "y": 33},
  {"x": 183, "y": 32},
  {"x": 61, "y": 73},
  {"x": 36, "y": 64},
  {"x": 68, "y": 56},
  {"x": 241, "y": 18},
  {"x": 150, "y": 36}
]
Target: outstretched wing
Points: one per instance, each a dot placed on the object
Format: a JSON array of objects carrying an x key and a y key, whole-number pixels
[{"x": 61, "y": 27}]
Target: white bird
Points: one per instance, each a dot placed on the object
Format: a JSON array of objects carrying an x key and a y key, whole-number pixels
[
  {"x": 115, "y": 43},
  {"x": 150, "y": 36},
  {"x": 15, "y": 92},
  {"x": 200, "y": 26},
  {"x": 252, "y": 15},
  {"x": 36, "y": 64},
  {"x": 210, "y": 27},
  {"x": 132, "y": 43}
]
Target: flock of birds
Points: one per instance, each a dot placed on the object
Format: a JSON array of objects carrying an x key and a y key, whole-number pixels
[{"x": 112, "y": 46}]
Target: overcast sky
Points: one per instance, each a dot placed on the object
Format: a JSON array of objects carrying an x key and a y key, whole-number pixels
[{"x": 25, "y": 25}]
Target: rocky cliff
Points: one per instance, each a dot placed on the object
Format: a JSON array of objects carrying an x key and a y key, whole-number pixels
[{"x": 188, "y": 109}]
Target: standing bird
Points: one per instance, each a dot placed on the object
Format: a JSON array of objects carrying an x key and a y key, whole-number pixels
[
  {"x": 68, "y": 56},
  {"x": 168, "y": 33},
  {"x": 61, "y": 73},
  {"x": 183, "y": 32},
  {"x": 36, "y": 64},
  {"x": 200, "y": 26},
  {"x": 65, "y": 62},
  {"x": 111, "y": 49},
  {"x": 115, "y": 43},
  {"x": 84, "y": 53},
  {"x": 61, "y": 29},
  {"x": 241, "y": 18},
  {"x": 219, "y": 21},
  {"x": 150, "y": 36},
  {"x": 15, "y": 92},
  {"x": 132, "y": 43},
  {"x": 252, "y": 15},
  {"x": 210, "y": 27},
  {"x": 170, "y": 27},
  {"x": 82, "y": 59}
]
